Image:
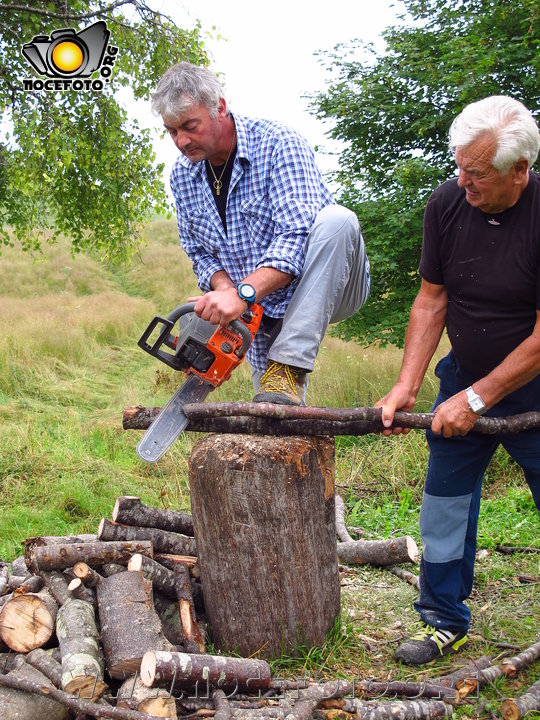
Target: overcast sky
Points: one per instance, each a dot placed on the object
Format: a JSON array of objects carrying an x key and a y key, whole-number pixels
[{"x": 266, "y": 54}]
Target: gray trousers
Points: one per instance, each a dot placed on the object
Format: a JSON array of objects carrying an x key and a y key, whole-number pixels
[{"x": 334, "y": 284}]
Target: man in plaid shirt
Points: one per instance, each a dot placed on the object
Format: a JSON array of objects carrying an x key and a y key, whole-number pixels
[{"x": 259, "y": 224}]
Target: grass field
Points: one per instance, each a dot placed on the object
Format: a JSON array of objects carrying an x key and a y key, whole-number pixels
[{"x": 69, "y": 364}]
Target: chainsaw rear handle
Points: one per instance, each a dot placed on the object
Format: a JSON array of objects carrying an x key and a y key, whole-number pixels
[{"x": 238, "y": 327}]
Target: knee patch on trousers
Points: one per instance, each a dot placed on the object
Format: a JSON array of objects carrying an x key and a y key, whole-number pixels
[{"x": 443, "y": 526}]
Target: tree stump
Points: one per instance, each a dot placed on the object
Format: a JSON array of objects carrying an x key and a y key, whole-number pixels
[{"x": 263, "y": 517}]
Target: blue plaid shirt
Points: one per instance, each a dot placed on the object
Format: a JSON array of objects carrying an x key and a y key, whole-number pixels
[{"x": 275, "y": 193}]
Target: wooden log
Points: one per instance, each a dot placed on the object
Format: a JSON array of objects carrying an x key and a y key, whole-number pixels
[
  {"x": 512, "y": 666},
  {"x": 4, "y": 577},
  {"x": 46, "y": 664},
  {"x": 167, "y": 610},
  {"x": 263, "y": 514},
  {"x": 403, "y": 574},
  {"x": 16, "y": 704},
  {"x": 108, "y": 569},
  {"x": 162, "y": 578},
  {"x": 269, "y": 419},
  {"x": 28, "y": 621},
  {"x": 57, "y": 584},
  {"x": 129, "y": 623},
  {"x": 378, "y": 552},
  {"x": 162, "y": 540},
  {"x": 129, "y": 510},
  {"x": 82, "y": 660},
  {"x": 389, "y": 689},
  {"x": 528, "y": 702},
  {"x": 60, "y": 557},
  {"x": 10, "y": 661},
  {"x": 182, "y": 671},
  {"x": 79, "y": 591},
  {"x": 468, "y": 671},
  {"x": 18, "y": 566},
  {"x": 78, "y": 705},
  {"x": 221, "y": 705},
  {"x": 405, "y": 710},
  {"x": 90, "y": 577},
  {"x": 28, "y": 584},
  {"x": 134, "y": 695},
  {"x": 193, "y": 640}
]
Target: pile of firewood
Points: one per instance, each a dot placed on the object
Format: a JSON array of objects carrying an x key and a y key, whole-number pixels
[{"x": 112, "y": 625}]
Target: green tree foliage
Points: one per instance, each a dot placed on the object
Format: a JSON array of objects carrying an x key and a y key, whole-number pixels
[
  {"x": 393, "y": 111},
  {"x": 71, "y": 161}
]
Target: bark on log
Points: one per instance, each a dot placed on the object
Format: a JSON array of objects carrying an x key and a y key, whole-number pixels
[
  {"x": 182, "y": 671},
  {"x": 378, "y": 552},
  {"x": 405, "y": 710},
  {"x": 82, "y": 659},
  {"x": 79, "y": 591},
  {"x": 46, "y": 664},
  {"x": 162, "y": 578},
  {"x": 169, "y": 616},
  {"x": 512, "y": 666},
  {"x": 170, "y": 562},
  {"x": 467, "y": 671},
  {"x": 90, "y": 577},
  {"x": 27, "y": 621},
  {"x": 57, "y": 584},
  {"x": 111, "y": 568},
  {"x": 129, "y": 510},
  {"x": 28, "y": 584},
  {"x": 386, "y": 690},
  {"x": 193, "y": 640},
  {"x": 129, "y": 623},
  {"x": 60, "y": 557},
  {"x": 78, "y": 705},
  {"x": 9, "y": 661},
  {"x": 4, "y": 577},
  {"x": 162, "y": 540},
  {"x": 41, "y": 540},
  {"x": 517, "y": 708},
  {"x": 403, "y": 574},
  {"x": 268, "y": 419},
  {"x": 17, "y": 705},
  {"x": 134, "y": 695},
  {"x": 263, "y": 513},
  {"x": 509, "y": 550}
]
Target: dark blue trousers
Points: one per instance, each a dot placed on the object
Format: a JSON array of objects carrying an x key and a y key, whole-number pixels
[{"x": 451, "y": 503}]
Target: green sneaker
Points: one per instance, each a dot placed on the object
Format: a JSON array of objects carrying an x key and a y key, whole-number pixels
[
  {"x": 282, "y": 384},
  {"x": 428, "y": 644}
]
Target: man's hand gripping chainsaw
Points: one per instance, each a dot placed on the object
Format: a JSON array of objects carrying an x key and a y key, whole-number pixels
[{"x": 207, "y": 353}]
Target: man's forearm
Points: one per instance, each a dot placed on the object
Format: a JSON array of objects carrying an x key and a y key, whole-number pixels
[{"x": 517, "y": 369}]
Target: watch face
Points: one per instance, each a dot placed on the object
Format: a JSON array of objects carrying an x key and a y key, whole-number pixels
[{"x": 247, "y": 292}]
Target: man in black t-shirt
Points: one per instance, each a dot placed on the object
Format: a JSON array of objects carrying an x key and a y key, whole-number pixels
[{"x": 480, "y": 270}]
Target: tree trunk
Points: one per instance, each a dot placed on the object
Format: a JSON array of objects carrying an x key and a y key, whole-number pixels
[
  {"x": 162, "y": 540},
  {"x": 27, "y": 621},
  {"x": 263, "y": 515},
  {"x": 82, "y": 660},
  {"x": 129, "y": 623},
  {"x": 136, "y": 696},
  {"x": 19, "y": 705},
  {"x": 180, "y": 671},
  {"x": 129, "y": 510},
  {"x": 60, "y": 557}
]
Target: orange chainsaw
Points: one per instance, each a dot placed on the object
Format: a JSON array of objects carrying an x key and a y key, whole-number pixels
[{"x": 206, "y": 353}]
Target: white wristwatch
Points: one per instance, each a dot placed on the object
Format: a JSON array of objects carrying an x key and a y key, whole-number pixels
[{"x": 476, "y": 403}]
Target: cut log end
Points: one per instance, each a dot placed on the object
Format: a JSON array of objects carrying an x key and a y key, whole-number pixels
[
  {"x": 27, "y": 622},
  {"x": 148, "y": 668},
  {"x": 85, "y": 686},
  {"x": 135, "y": 563}
]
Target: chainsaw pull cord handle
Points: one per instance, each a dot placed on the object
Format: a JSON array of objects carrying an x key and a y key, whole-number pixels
[{"x": 238, "y": 327}]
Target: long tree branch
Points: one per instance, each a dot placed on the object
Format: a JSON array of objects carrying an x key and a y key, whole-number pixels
[{"x": 69, "y": 16}]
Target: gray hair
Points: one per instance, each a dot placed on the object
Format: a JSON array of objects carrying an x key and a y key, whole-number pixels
[
  {"x": 509, "y": 121},
  {"x": 184, "y": 85}
]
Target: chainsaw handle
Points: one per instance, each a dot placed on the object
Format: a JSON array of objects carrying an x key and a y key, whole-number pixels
[{"x": 235, "y": 325}]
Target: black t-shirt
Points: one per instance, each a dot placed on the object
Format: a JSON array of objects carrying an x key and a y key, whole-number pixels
[{"x": 490, "y": 267}]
